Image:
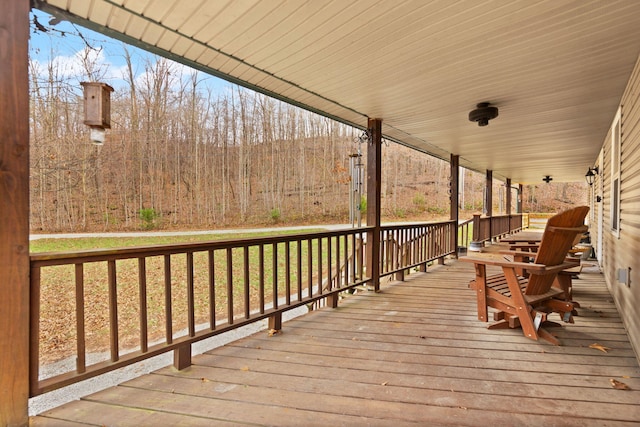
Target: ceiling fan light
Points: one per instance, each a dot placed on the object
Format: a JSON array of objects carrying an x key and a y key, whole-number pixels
[{"x": 483, "y": 113}]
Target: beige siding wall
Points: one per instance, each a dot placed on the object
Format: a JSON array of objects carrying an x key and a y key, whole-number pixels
[{"x": 623, "y": 252}]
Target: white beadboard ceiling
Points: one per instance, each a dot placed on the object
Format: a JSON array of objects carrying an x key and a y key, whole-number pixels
[{"x": 556, "y": 69}]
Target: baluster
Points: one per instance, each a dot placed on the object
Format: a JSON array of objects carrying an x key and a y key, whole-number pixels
[
  {"x": 81, "y": 365},
  {"x": 113, "y": 310}
]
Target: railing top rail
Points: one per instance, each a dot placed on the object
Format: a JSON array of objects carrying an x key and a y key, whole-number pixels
[
  {"x": 54, "y": 258},
  {"x": 465, "y": 222},
  {"x": 417, "y": 224},
  {"x": 497, "y": 216}
]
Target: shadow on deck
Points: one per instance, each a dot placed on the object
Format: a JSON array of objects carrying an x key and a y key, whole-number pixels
[{"x": 414, "y": 354}]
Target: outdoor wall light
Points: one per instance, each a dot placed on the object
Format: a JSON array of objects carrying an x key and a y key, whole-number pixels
[
  {"x": 547, "y": 179},
  {"x": 590, "y": 176}
]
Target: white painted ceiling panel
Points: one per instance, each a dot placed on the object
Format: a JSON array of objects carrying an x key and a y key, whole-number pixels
[
  {"x": 138, "y": 6},
  {"x": 556, "y": 69},
  {"x": 101, "y": 12},
  {"x": 137, "y": 27}
]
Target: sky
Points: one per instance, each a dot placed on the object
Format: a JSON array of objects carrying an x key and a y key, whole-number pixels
[{"x": 66, "y": 44}]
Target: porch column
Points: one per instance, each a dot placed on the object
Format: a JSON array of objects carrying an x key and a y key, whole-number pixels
[
  {"x": 374, "y": 184},
  {"x": 508, "y": 193},
  {"x": 488, "y": 187},
  {"x": 489, "y": 200},
  {"x": 519, "y": 200},
  {"x": 454, "y": 198},
  {"x": 14, "y": 220}
]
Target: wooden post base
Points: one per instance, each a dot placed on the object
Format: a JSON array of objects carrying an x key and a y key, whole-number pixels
[{"x": 182, "y": 357}]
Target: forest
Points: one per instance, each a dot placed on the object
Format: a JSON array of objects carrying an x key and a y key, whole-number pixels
[{"x": 184, "y": 155}]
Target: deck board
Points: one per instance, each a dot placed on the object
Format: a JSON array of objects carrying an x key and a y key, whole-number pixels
[{"x": 414, "y": 354}]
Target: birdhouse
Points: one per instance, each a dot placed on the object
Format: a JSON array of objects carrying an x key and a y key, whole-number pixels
[{"x": 97, "y": 105}]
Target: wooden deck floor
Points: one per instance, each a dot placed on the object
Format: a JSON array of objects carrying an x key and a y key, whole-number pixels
[{"x": 413, "y": 354}]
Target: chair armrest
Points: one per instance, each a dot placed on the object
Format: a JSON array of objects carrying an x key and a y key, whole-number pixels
[
  {"x": 554, "y": 269},
  {"x": 540, "y": 268},
  {"x": 531, "y": 268}
]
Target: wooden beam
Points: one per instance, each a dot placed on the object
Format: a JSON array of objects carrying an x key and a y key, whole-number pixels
[
  {"x": 489, "y": 199},
  {"x": 519, "y": 200},
  {"x": 374, "y": 185},
  {"x": 489, "y": 193},
  {"x": 14, "y": 220},
  {"x": 182, "y": 357},
  {"x": 454, "y": 198},
  {"x": 508, "y": 193}
]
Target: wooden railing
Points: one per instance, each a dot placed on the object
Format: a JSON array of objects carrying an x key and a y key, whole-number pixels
[
  {"x": 219, "y": 285},
  {"x": 141, "y": 302},
  {"x": 489, "y": 228},
  {"x": 406, "y": 246},
  {"x": 465, "y": 233}
]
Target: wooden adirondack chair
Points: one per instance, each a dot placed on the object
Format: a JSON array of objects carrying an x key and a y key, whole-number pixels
[
  {"x": 527, "y": 301},
  {"x": 525, "y": 253}
]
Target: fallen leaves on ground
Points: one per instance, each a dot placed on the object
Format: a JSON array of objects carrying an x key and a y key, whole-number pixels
[
  {"x": 618, "y": 385},
  {"x": 599, "y": 347}
]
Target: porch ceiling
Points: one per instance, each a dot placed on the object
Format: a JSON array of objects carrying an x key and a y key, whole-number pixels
[{"x": 556, "y": 69}]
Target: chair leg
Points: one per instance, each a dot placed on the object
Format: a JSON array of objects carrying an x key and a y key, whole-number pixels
[
  {"x": 481, "y": 292},
  {"x": 522, "y": 310},
  {"x": 545, "y": 335},
  {"x": 526, "y": 321}
]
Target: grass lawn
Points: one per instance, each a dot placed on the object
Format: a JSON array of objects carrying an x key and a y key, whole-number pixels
[{"x": 85, "y": 243}]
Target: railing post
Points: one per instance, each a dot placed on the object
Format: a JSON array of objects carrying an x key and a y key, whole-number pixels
[
  {"x": 477, "y": 240},
  {"x": 14, "y": 221},
  {"x": 476, "y": 227},
  {"x": 275, "y": 322},
  {"x": 374, "y": 183},
  {"x": 182, "y": 357},
  {"x": 332, "y": 301}
]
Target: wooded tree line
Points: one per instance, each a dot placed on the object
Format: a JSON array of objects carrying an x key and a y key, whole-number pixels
[{"x": 181, "y": 154}]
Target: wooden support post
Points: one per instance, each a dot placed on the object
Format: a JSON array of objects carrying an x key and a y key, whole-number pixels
[
  {"x": 489, "y": 194},
  {"x": 14, "y": 220},
  {"x": 374, "y": 185},
  {"x": 275, "y": 322},
  {"x": 489, "y": 201},
  {"x": 508, "y": 185},
  {"x": 182, "y": 357},
  {"x": 454, "y": 197},
  {"x": 519, "y": 200},
  {"x": 476, "y": 228},
  {"x": 332, "y": 300}
]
